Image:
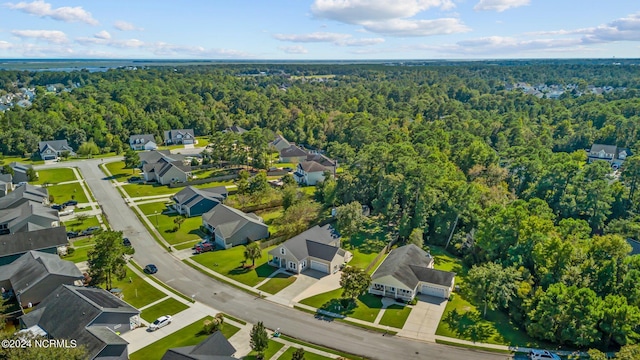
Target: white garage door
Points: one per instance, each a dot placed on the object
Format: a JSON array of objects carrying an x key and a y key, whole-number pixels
[
  {"x": 320, "y": 266},
  {"x": 433, "y": 291}
]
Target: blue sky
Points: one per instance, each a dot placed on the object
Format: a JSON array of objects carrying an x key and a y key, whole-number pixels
[{"x": 320, "y": 29}]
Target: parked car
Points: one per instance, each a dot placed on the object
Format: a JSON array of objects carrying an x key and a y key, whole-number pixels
[
  {"x": 162, "y": 321},
  {"x": 70, "y": 203},
  {"x": 126, "y": 242},
  {"x": 65, "y": 212},
  {"x": 542, "y": 355},
  {"x": 91, "y": 230},
  {"x": 203, "y": 247},
  {"x": 58, "y": 207},
  {"x": 72, "y": 234},
  {"x": 150, "y": 269},
  {"x": 287, "y": 169},
  {"x": 134, "y": 179}
]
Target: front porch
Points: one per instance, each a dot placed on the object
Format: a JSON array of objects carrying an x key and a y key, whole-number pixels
[{"x": 392, "y": 292}]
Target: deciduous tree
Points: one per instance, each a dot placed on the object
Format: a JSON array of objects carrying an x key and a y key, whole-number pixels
[
  {"x": 106, "y": 258},
  {"x": 259, "y": 339},
  {"x": 354, "y": 282}
]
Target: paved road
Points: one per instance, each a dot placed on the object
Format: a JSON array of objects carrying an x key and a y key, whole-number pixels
[{"x": 242, "y": 305}]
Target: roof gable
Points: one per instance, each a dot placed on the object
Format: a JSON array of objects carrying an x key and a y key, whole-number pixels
[
  {"x": 398, "y": 265},
  {"x": 32, "y": 240},
  {"x": 314, "y": 242},
  {"x": 227, "y": 220}
]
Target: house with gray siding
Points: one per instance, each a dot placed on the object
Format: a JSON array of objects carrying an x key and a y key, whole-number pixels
[
  {"x": 23, "y": 194},
  {"x": 27, "y": 216},
  {"x": 91, "y": 316},
  {"x": 215, "y": 347},
  {"x": 179, "y": 136},
  {"x": 6, "y": 184},
  {"x": 232, "y": 227},
  {"x": 53, "y": 149},
  {"x": 280, "y": 143},
  {"x": 408, "y": 271},
  {"x": 36, "y": 274},
  {"x": 317, "y": 248},
  {"x": 192, "y": 201},
  {"x": 20, "y": 172},
  {"x": 293, "y": 154},
  {"x": 143, "y": 142},
  {"x": 12, "y": 246}
]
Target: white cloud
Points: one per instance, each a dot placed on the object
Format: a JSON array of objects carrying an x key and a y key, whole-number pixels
[
  {"x": 50, "y": 36},
  {"x": 499, "y": 5},
  {"x": 126, "y": 26},
  {"x": 357, "y": 11},
  {"x": 5, "y": 45},
  {"x": 405, "y": 28},
  {"x": 296, "y": 49},
  {"x": 117, "y": 43},
  {"x": 66, "y": 13},
  {"x": 390, "y": 17},
  {"x": 104, "y": 34},
  {"x": 324, "y": 37}
]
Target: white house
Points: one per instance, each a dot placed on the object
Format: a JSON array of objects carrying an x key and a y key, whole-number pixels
[
  {"x": 408, "y": 271},
  {"x": 143, "y": 142},
  {"x": 310, "y": 172}
]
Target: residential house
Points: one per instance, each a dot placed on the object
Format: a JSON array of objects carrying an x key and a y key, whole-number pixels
[
  {"x": 167, "y": 172},
  {"x": 36, "y": 274},
  {"x": 214, "y": 347},
  {"x": 311, "y": 172},
  {"x": 192, "y": 201},
  {"x": 610, "y": 153},
  {"x": 323, "y": 160},
  {"x": 153, "y": 156},
  {"x": 28, "y": 216},
  {"x": 91, "y": 316},
  {"x": 143, "y": 142},
  {"x": 233, "y": 227},
  {"x": 52, "y": 150},
  {"x": 6, "y": 184},
  {"x": 293, "y": 153},
  {"x": 12, "y": 246},
  {"x": 20, "y": 172},
  {"x": 179, "y": 136},
  {"x": 280, "y": 143},
  {"x": 317, "y": 248},
  {"x": 25, "y": 193},
  {"x": 235, "y": 129},
  {"x": 408, "y": 271}
]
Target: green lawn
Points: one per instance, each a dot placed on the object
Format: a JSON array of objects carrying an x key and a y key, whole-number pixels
[
  {"x": 54, "y": 176},
  {"x": 367, "y": 306},
  {"x": 137, "y": 291},
  {"x": 138, "y": 190},
  {"x": 79, "y": 254},
  {"x": 119, "y": 172},
  {"x": 277, "y": 283},
  {"x": 230, "y": 263},
  {"x": 151, "y": 208},
  {"x": 269, "y": 217},
  {"x": 75, "y": 225},
  {"x": 187, "y": 336},
  {"x": 187, "y": 245},
  {"x": 228, "y": 183},
  {"x": 366, "y": 244},
  {"x": 170, "y": 306},
  {"x": 189, "y": 230},
  {"x": 272, "y": 349},
  {"x": 4, "y": 160},
  {"x": 66, "y": 192},
  {"x": 395, "y": 316},
  {"x": 287, "y": 355}
]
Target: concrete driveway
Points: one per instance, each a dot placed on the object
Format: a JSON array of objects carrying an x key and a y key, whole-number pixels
[
  {"x": 324, "y": 284},
  {"x": 305, "y": 280},
  {"x": 423, "y": 321}
]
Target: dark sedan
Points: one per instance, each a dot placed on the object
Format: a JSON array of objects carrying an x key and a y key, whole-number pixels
[{"x": 150, "y": 269}]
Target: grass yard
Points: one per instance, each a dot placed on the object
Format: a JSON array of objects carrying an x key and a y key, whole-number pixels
[
  {"x": 227, "y": 183},
  {"x": 395, "y": 316},
  {"x": 79, "y": 254},
  {"x": 272, "y": 349},
  {"x": 230, "y": 263},
  {"x": 151, "y": 208},
  {"x": 138, "y": 190},
  {"x": 54, "y": 176},
  {"x": 4, "y": 160},
  {"x": 64, "y": 192},
  {"x": 189, "y": 230},
  {"x": 367, "y": 306},
  {"x": 277, "y": 283},
  {"x": 269, "y": 217},
  {"x": 187, "y": 336},
  {"x": 75, "y": 225},
  {"x": 119, "y": 172},
  {"x": 170, "y": 306},
  {"x": 186, "y": 245},
  {"x": 366, "y": 244},
  {"x": 137, "y": 291},
  {"x": 307, "y": 355}
]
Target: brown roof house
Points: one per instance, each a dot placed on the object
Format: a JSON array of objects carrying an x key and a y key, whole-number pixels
[
  {"x": 233, "y": 227},
  {"x": 408, "y": 271}
]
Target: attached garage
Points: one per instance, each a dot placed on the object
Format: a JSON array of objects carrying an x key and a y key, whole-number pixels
[
  {"x": 433, "y": 291},
  {"x": 316, "y": 265}
]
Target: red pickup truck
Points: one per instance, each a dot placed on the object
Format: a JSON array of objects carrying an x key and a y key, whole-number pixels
[{"x": 203, "y": 247}]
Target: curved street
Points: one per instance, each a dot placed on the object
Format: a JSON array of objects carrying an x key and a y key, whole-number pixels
[{"x": 238, "y": 303}]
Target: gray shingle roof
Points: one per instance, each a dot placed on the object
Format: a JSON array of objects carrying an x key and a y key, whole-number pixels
[
  {"x": 235, "y": 129},
  {"x": 321, "y": 159},
  {"x": 312, "y": 166},
  {"x": 635, "y": 246},
  {"x": 153, "y": 156},
  {"x": 215, "y": 347},
  {"x": 190, "y": 196},
  {"x": 28, "y": 216},
  {"x": 68, "y": 312},
  {"x": 292, "y": 151},
  {"x": 35, "y": 266},
  {"x": 57, "y": 145},
  {"x": 22, "y": 194},
  {"x": 228, "y": 220},
  {"x": 173, "y": 134},
  {"x": 608, "y": 149},
  {"x": 410, "y": 264},
  {"x": 314, "y": 242},
  {"x": 22, "y": 242},
  {"x": 141, "y": 139}
]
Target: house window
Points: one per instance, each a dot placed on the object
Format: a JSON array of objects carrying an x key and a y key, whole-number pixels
[
  {"x": 282, "y": 251},
  {"x": 378, "y": 286},
  {"x": 292, "y": 265},
  {"x": 304, "y": 264}
]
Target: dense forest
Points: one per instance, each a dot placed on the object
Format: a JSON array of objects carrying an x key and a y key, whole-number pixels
[{"x": 435, "y": 148}]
